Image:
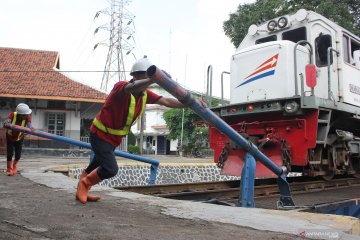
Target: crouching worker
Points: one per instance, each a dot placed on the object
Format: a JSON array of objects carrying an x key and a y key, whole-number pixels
[
  {"x": 15, "y": 139},
  {"x": 125, "y": 103}
]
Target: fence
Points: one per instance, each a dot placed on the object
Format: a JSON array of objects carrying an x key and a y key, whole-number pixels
[{"x": 121, "y": 147}]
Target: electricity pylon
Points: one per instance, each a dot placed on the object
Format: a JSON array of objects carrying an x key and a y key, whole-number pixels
[{"x": 121, "y": 30}]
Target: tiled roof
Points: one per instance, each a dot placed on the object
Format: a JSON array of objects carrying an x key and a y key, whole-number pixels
[{"x": 33, "y": 74}]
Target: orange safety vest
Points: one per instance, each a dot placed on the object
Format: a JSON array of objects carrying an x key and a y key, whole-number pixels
[
  {"x": 129, "y": 119},
  {"x": 9, "y": 131}
]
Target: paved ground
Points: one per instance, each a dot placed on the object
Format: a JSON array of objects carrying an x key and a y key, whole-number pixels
[{"x": 40, "y": 205}]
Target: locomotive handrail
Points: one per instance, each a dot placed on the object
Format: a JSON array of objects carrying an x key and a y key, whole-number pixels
[
  {"x": 222, "y": 86},
  {"x": 209, "y": 85},
  {"x": 154, "y": 163},
  {"x": 295, "y": 61},
  {"x": 185, "y": 97},
  {"x": 329, "y": 51}
]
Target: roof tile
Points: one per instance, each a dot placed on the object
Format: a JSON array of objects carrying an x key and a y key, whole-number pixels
[{"x": 32, "y": 74}]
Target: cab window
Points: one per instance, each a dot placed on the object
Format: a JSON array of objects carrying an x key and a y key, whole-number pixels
[
  {"x": 295, "y": 35},
  {"x": 349, "y": 47},
  {"x": 354, "y": 46},
  {"x": 322, "y": 43},
  {"x": 266, "y": 39}
]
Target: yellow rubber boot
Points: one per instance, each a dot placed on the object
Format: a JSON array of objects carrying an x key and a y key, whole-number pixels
[
  {"x": 90, "y": 198},
  {"x": 14, "y": 171},
  {"x": 9, "y": 170},
  {"x": 85, "y": 184}
]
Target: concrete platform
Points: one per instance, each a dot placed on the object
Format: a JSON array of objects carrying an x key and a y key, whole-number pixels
[{"x": 40, "y": 204}]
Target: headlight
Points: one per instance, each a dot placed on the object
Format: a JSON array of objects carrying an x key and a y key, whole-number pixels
[
  {"x": 253, "y": 30},
  {"x": 271, "y": 25},
  {"x": 282, "y": 22},
  {"x": 301, "y": 15},
  {"x": 291, "y": 107}
]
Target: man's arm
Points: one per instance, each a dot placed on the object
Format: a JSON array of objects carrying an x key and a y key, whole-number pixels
[
  {"x": 137, "y": 86},
  {"x": 29, "y": 125},
  {"x": 169, "y": 102}
]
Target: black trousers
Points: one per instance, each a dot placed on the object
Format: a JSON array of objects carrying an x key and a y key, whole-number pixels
[
  {"x": 104, "y": 158},
  {"x": 14, "y": 146}
]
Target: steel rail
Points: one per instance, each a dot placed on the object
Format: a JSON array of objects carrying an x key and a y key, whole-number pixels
[{"x": 228, "y": 190}]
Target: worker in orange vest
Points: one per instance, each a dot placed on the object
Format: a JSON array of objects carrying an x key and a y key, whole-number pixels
[
  {"x": 15, "y": 139},
  {"x": 124, "y": 105}
]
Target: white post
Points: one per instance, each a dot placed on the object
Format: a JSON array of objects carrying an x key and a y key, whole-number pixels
[{"x": 182, "y": 133}]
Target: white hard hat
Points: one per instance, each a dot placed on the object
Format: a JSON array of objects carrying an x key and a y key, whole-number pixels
[
  {"x": 23, "y": 108},
  {"x": 140, "y": 65}
]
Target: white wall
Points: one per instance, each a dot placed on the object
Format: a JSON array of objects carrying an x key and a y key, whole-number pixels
[
  {"x": 72, "y": 124},
  {"x": 154, "y": 117},
  {"x": 173, "y": 145}
]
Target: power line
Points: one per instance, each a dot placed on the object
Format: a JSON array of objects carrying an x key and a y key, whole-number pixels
[{"x": 52, "y": 71}]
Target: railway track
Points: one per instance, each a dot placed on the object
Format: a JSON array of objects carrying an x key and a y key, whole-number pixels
[{"x": 227, "y": 192}]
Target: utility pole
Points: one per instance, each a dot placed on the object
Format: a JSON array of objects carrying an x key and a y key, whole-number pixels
[
  {"x": 121, "y": 30},
  {"x": 141, "y": 135}
]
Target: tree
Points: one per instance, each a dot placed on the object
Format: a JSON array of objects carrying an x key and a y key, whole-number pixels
[
  {"x": 173, "y": 119},
  {"x": 346, "y": 14},
  {"x": 131, "y": 148},
  {"x": 131, "y": 138}
]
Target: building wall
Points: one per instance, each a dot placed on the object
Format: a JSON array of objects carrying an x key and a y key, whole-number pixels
[
  {"x": 72, "y": 119},
  {"x": 72, "y": 124},
  {"x": 154, "y": 117}
]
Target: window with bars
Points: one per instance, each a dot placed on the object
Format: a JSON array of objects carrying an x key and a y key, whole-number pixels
[
  {"x": 56, "y": 123},
  {"x": 349, "y": 47}
]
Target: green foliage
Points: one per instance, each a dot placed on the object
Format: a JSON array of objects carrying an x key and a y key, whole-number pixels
[
  {"x": 199, "y": 137},
  {"x": 345, "y": 12},
  {"x": 193, "y": 136},
  {"x": 215, "y": 102},
  {"x": 173, "y": 119},
  {"x": 133, "y": 149},
  {"x": 131, "y": 138}
]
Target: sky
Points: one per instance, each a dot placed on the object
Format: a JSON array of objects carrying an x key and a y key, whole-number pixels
[{"x": 182, "y": 37}]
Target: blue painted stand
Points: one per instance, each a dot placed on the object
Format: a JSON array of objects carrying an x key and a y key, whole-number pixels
[{"x": 247, "y": 182}]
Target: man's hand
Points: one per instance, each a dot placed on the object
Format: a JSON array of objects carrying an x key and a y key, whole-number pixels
[
  {"x": 203, "y": 103},
  {"x": 6, "y": 122},
  {"x": 138, "y": 85}
]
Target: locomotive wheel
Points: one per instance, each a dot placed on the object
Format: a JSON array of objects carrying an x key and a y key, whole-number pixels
[{"x": 329, "y": 176}]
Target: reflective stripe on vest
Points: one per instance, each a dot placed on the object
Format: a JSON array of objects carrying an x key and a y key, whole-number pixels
[
  {"x": 13, "y": 123},
  {"x": 129, "y": 118}
]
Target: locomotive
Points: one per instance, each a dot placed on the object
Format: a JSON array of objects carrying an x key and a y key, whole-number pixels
[{"x": 295, "y": 94}]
